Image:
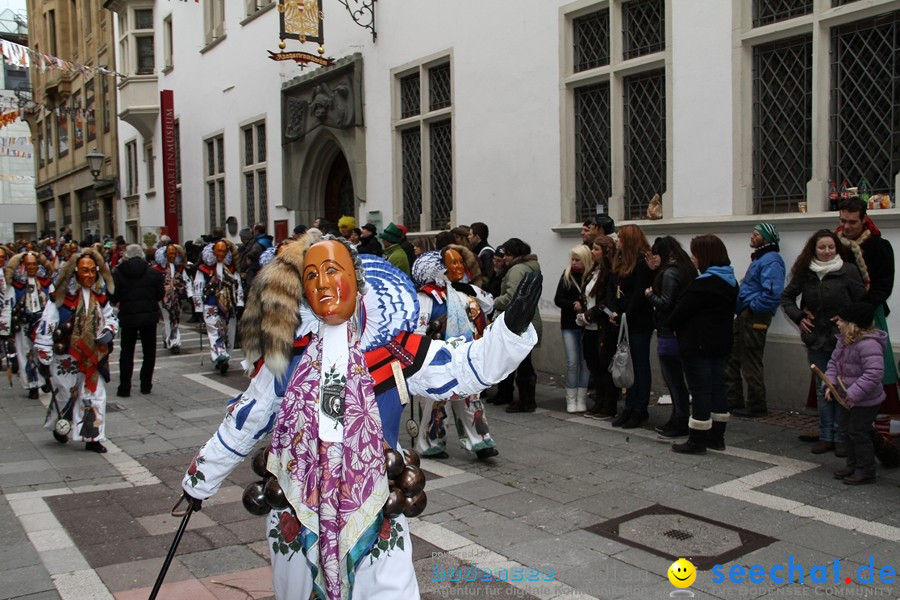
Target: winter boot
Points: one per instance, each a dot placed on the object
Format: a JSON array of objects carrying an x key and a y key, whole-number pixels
[
  {"x": 526, "y": 401},
  {"x": 571, "y": 399},
  {"x": 504, "y": 393},
  {"x": 581, "y": 400},
  {"x": 716, "y": 438},
  {"x": 696, "y": 442}
]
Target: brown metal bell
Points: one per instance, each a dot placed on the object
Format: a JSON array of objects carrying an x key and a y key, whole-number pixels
[
  {"x": 411, "y": 481},
  {"x": 415, "y": 505},
  {"x": 275, "y": 495},
  {"x": 259, "y": 462},
  {"x": 395, "y": 504},
  {"x": 254, "y": 499},
  {"x": 411, "y": 457},
  {"x": 393, "y": 463}
]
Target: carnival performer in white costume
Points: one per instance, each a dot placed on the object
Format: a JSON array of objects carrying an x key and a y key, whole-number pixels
[
  {"x": 219, "y": 295},
  {"x": 449, "y": 307},
  {"x": 7, "y": 344},
  {"x": 170, "y": 262},
  {"x": 76, "y": 332},
  {"x": 328, "y": 383},
  {"x": 28, "y": 278}
]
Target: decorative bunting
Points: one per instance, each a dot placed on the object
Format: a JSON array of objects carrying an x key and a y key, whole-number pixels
[
  {"x": 22, "y": 56},
  {"x": 17, "y": 178}
]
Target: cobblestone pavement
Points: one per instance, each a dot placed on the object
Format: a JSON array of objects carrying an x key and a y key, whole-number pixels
[{"x": 571, "y": 508}]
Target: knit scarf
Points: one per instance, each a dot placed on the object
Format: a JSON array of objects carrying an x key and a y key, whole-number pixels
[
  {"x": 764, "y": 249},
  {"x": 869, "y": 229},
  {"x": 824, "y": 268},
  {"x": 336, "y": 488}
]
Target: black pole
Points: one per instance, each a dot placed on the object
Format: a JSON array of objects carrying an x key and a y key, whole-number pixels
[{"x": 172, "y": 549}]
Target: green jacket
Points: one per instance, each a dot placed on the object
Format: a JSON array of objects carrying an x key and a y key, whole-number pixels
[
  {"x": 511, "y": 279},
  {"x": 396, "y": 255}
]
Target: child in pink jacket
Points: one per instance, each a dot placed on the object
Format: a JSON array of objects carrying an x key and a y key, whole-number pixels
[{"x": 857, "y": 366}]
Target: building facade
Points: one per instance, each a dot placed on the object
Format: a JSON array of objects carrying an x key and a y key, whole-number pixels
[
  {"x": 17, "y": 215},
  {"x": 74, "y": 113},
  {"x": 529, "y": 115}
]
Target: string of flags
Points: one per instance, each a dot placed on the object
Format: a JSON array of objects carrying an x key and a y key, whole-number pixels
[
  {"x": 23, "y": 56},
  {"x": 17, "y": 178}
]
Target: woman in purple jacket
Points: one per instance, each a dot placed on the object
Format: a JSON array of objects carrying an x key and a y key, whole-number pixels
[{"x": 855, "y": 369}]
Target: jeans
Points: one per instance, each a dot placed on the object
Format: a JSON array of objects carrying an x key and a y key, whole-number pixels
[
  {"x": 577, "y": 374},
  {"x": 126, "y": 356},
  {"x": 857, "y": 422},
  {"x": 746, "y": 359},
  {"x": 673, "y": 375},
  {"x": 829, "y": 412},
  {"x": 638, "y": 396},
  {"x": 706, "y": 381}
]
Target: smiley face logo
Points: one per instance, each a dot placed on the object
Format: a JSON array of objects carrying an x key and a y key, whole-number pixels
[{"x": 682, "y": 573}]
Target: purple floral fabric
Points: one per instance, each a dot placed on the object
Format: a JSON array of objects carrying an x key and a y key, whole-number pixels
[{"x": 335, "y": 482}]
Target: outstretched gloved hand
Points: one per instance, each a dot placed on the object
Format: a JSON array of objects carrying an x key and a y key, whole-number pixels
[{"x": 524, "y": 302}]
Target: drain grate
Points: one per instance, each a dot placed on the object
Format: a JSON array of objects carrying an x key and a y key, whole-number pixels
[
  {"x": 675, "y": 534},
  {"x": 678, "y": 534}
]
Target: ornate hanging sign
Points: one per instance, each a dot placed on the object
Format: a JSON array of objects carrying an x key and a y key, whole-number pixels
[
  {"x": 301, "y": 20},
  {"x": 302, "y": 58}
]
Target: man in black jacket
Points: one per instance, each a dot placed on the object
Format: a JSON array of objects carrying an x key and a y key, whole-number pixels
[{"x": 139, "y": 290}]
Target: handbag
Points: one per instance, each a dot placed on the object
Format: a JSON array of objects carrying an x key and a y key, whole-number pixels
[{"x": 621, "y": 367}]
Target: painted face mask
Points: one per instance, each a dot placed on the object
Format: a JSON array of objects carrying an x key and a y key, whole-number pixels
[
  {"x": 329, "y": 282},
  {"x": 86, "y": 271},
  {"x": 455, "y": 267},
  {"x": 219, "y": 251},
  {"x": 31, "y": 265},
  {"x": 171, "y": 253}
]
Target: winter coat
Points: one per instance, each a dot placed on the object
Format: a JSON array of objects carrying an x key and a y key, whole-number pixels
[
  {"x": 139, "y": 290},
  {"x": 397, "y": 257},
  {"x": 823, "y": 298},
  {"x": 762, "y": 285},
  {"x": 670, "y": 289},
  {"x": 566, "y": 296},
  {"x": 370, "y": 245},
  {"x": 626, "y": 296},
  {"x": 703, "y": 318},
  {"x": 860, "y": 366},
  {"x": 514, "y": 274}
]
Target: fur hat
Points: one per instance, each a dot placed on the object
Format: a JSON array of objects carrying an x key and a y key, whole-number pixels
[
  {"x": 12, "y": 265},
  {"x": 65, "y": 279},
  {"x": 861, "y": 314}
]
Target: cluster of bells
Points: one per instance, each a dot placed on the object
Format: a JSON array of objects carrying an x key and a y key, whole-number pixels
[
  {"x": 62, "y": 335},
  {"x": 406, "y": 483},
  {"x": 18, "y": 317}
]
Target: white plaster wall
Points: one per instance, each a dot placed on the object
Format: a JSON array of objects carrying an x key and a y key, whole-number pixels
[{"x": 702, "y": 108}]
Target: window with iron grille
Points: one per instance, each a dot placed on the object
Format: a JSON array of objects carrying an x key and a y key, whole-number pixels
[
  {"x": 772, "y": 11},
  {"x": 254, "y": 171},
  {"x": 439, "y": 86},
  {"x": 782, "y": 128},
  {"x": 645, "y": 140},
  {"x": 590, "y": 41},
  {"x": 425, "y": 147},
  {"x": 643, "y": 27},
  {"x": 150, "y": 165},
  {"x": 215, "y": 180},
  {"x": 409, "y": 95},
  {"x": 842, "y": 2},
  {"x": 593, "y": 169},
  {"x": 865, "y": 102}
]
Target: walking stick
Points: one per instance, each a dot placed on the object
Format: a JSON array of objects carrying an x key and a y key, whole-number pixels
[
  {"x": 184, "y": 523},
  {"x": 835, "y": 393}
]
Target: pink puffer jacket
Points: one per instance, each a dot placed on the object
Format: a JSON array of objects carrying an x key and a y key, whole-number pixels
[{"x": 860, "y": 366}]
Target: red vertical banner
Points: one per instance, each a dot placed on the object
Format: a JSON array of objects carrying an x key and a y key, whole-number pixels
[{"x": 169, "y": 156}]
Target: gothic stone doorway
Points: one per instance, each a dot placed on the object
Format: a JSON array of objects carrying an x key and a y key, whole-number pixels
[{"x": 339, "y": 199}]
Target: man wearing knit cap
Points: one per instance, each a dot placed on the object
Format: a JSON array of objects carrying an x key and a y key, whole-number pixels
[{"x": 758, "y": 299}]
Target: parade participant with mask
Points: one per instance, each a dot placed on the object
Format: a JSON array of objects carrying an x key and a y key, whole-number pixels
[
  {"x": 76, "y": 332},
  {"x": 218, "y": 293},
  {"x": 30, "y": 289},
  {"x": 334, "y": 356},
  {"x": 449, "y": 308},
  {"x": 170, "y": 262}
]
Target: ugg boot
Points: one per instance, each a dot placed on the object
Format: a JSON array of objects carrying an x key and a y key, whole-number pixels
[
  {"x": 581, "y": 400},
  {"x": 571, "y": 400},
  {"x": 696, "y": 442},
  {"x": 716, "y": 438},
  {"x": 526, "y": 401}
]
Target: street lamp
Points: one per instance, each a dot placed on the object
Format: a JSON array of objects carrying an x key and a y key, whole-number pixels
[{"x": 95, "y": 160}]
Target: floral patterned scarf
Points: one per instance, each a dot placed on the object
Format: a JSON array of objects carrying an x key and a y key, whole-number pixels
[{"x": 336, "y": 488}]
